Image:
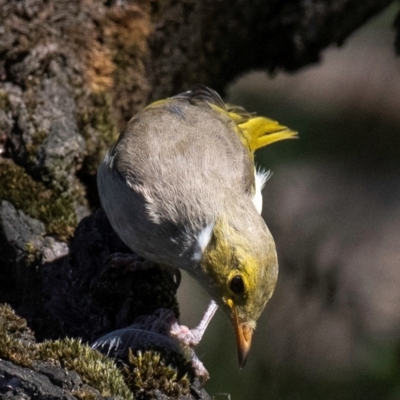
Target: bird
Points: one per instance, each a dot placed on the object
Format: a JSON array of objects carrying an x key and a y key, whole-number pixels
[{"x": 180, "y": 187}]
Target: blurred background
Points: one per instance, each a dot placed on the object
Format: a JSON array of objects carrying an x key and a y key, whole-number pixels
[{"x": 332, "y": 328}]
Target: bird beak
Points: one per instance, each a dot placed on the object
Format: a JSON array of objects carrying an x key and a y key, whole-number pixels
[{"x": 243, "y": 336}]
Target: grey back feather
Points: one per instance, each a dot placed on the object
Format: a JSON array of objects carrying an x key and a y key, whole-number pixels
[{"x": 172, "y": 172}]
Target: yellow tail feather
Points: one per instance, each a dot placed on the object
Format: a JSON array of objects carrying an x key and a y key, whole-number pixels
[
  {"x": 258, "y": 132},
  {"x": 254, "y": 132}
]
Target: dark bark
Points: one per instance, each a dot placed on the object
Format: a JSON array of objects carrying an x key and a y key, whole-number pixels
[{"x": 51, "y": 382}]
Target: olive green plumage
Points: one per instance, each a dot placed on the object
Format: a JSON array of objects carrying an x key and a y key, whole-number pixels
[{"x": 180, "y": 188}]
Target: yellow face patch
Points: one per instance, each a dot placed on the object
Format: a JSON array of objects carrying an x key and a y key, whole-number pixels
[
  {"x": 237, "y": 274},
  {"x": 226, "y": 257}
]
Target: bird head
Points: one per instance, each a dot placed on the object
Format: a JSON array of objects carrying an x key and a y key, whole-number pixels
[{"x": 240, "y": 268}]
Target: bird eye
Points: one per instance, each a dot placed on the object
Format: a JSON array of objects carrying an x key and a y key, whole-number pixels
[{"x": 237, "y": 284}]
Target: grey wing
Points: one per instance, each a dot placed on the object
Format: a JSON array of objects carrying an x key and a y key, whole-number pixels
[
  {"x": 170, "y": 175},
  {"x": 185, "y": 160}
]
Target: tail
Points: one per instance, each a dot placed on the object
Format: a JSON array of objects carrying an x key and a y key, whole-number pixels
[
  {"x": 258, "y": 132},
  {"x": 254, "y": 131}
]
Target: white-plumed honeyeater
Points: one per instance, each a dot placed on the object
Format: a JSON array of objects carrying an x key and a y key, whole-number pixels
[{"x": 181, "y": 189}]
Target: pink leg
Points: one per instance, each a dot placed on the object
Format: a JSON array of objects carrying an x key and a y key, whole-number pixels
[{"x": 192, "y": 337}]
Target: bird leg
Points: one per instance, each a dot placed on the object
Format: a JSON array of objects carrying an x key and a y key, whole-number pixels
[
  {"x": 192, "y": 337},
  {"x": 150, "y": 331}
]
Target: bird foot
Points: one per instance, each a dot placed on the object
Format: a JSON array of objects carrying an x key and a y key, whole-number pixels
[
  {"x": 148, "y": 331},
  {"x": 192, "y": 337},
  {"x": 189, "y": 338},
  {"x": 199, "y": 369}
]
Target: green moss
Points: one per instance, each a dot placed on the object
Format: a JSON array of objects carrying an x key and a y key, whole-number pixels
[
  {"x": 13, "y": 334},
  {"x": 55, "y": 208},
  {"x": 98, "y": 128},
  {"x": 153, "y": 371},
  {"x": 17, "y": 344},
  {"x": 144, "y": 374},
  {"x": 93, "y": 367}
]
